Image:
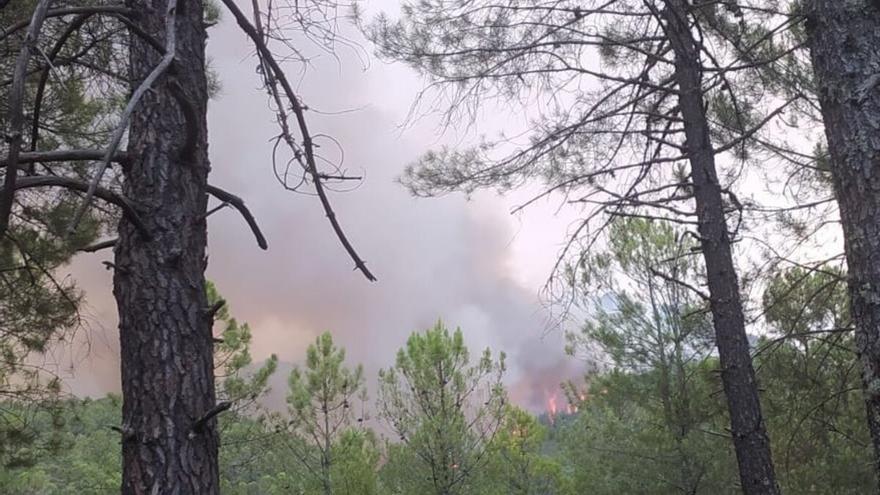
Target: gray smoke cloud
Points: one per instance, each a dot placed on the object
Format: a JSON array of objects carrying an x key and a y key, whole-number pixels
[{"x": 467, "y": 262}]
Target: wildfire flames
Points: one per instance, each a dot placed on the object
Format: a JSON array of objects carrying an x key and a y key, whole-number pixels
[
  {"x": 552, "y": 408},
  {"x": 553, "y": 405}
]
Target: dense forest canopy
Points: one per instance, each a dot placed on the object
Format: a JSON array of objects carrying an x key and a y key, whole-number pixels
[{"x": 713, "y": 299}]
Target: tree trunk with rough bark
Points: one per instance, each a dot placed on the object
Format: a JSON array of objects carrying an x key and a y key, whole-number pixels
[
  {"x": 159, "y": 283},
  {"x": 844, "y": 40},
  {"x": 750, "y": 439}
]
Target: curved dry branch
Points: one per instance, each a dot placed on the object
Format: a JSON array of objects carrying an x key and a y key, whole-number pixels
[
  {"x": 44, "y": 76},
  {"x": 239, "y": 205},
  {"x": 277, "y": 74},
  {"x": 76, "y": 185},
  {"x": 199, "y": 425},
  {"x": 65, "y": 156},
  {"x": 93, "y": 248},
  {"x": 65, "y": 11},
  {"x": 16, "y": 111},
  {"x": 161, "y": 67}
]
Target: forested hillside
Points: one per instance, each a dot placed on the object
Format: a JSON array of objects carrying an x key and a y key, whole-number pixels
[{"x": 652, "y": 421}]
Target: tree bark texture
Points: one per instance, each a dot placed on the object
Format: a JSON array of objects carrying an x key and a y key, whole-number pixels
[
  {"x": 159, "y": 284},
  {"x": 844, "y": 40},
  {"x": 750, "y": 439}
]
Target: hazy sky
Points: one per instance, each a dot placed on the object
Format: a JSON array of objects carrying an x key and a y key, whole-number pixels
[{"x": 468, "y": 262}]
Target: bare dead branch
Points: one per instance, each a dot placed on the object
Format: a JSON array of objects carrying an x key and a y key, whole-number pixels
[
  {"x": 277, "y": 74},
  {"x": 126, "y": 432},
  {"x": 199, "y": 425},
  {"x": 99, "y": 246},
  {"x": 682, "y": 283},
  {"x": 213, "y": 210},
  {"x": 65, "y": 156},
  {"x": 748, "y": 133},
  {"x": 109, "y": 265},
  {"x": 30, "y": 259},
  {"x": 239, "y": 205},
  {"x": 211, "y": 311},
  {"x": 161, "y": 67},
  {"x": 16, "y": 111},
  {"x": 105, "y": 194},
  {"x": 44, "y": 76},
  {"x": 61, "y": 12},
  {"x": 134, "y": 28}
]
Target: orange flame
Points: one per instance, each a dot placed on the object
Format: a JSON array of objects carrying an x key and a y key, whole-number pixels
[{"x": 552, "y": 407}]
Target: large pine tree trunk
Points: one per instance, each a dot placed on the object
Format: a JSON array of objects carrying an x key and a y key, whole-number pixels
[
  {"x": 844, "y": 38},
  {"x": 750, "y": 438},
  {"x": 159, "y": 284}
]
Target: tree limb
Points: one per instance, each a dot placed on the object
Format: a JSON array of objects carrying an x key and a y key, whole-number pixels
[
  {"x": 239, "y": 205},
  {"x": 107, "y": 195},
  {"x": 16, "y": 111},
  {"x": 44, "y": 76},
  {"x": 161, "y": 67},
  {"x": 61, "y": 12},
  {"x": 682, "y": 283},
  {"x": 269, "y": 62},
  {"x": 211, "y": 311},
  {"x": 200, "y": 424},
  {"x": 65, "y": 156},
  {"x": 99, "y": 246}
]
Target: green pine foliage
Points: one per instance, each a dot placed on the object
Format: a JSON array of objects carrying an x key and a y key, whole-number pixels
[{"x": 444, "y": 409}]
